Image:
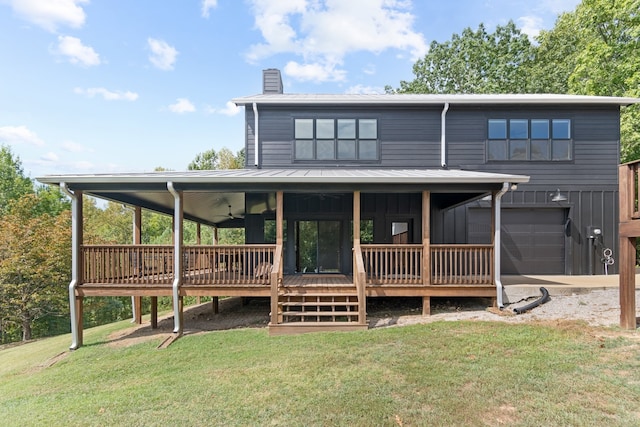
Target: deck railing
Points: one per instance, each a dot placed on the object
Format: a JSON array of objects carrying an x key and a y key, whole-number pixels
[
  {"x": 462, "y": 264},
  {"x": 392, "y": 264},
  {"x": 153, "y": 264},
  {"x": 450, "y": 264}
]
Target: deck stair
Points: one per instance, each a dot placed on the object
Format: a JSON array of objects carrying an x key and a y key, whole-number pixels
[{"x": 309, "y": 310}]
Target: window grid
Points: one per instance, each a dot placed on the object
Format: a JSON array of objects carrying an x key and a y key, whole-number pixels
[
  {"x": 520, "y": 139},
  {"x": 336, "y": 139}
]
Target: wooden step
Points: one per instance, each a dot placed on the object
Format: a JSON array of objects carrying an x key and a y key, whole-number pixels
[
  {"x": 319, "y": 313},
  {"x": 319, "y": 303},
  {"x": 318, "y": 294}
]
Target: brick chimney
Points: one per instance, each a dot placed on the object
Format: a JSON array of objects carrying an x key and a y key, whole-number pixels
[{"x": 271, "y": 81}]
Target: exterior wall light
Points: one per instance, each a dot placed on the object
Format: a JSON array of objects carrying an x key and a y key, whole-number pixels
[{"x": 558, "y": 196}]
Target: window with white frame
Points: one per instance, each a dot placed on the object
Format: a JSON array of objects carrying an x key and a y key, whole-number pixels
[
  {"x": 336, "y": 139},
  {"x": 529, "y": 140}
]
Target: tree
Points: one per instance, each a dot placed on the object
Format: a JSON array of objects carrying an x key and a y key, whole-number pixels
[
  {"x": 13, "y": 183},
  {"x": 474, "y": 62},
  {"x": 34, "y": 263}
]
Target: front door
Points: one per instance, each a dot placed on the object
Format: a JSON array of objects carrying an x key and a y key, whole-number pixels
[{"x": 318, "y": 246}]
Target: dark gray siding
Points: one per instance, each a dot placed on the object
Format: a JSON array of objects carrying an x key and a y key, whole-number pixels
[{"x": 408, "y": 137}]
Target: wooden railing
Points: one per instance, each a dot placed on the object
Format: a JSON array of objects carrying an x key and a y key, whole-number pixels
[
  {"x": 233, "y": 264},
  {"x": 127, "y": 264},
  {"x": 392, "y": 264},
  {"x": 462, "y": 264},
  {"x": 360, "y": 280},
  {"x": 153, "y": 264}
]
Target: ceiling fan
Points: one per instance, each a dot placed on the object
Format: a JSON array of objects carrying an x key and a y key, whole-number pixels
[{"x": 230, "y": 215}]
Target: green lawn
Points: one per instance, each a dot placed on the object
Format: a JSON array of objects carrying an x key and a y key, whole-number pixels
[{"x": 445, "y": 373}]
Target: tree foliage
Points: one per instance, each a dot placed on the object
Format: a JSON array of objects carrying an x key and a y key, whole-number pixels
[
  {"x": 34, "y": 263},
  {"x": 475, "y": 62},
  {"x": 13, "y": 182}
]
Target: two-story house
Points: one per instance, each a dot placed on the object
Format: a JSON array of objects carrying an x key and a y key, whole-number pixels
[{"x": 349, "y": 197}]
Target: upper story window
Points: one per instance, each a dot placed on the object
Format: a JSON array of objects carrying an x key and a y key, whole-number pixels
[
  {"x": 336, "y": 139},
  {"x": 529, "y": 139}
]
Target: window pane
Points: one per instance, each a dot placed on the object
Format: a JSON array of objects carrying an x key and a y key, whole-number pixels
[
  {"x": 497, "y": 150},
  {"x": 304, "y": 129},
  {"x": 346, "y": 149},
  {"x": 561, "y": 150},
  {"x": 346, "y": 128},
  {"x": 561, "y": 129},
  {"x": 304, "y": 149},
  {"x": 324, "y": 129},
  {"x": 325, "y": 149},
  {"x": 368, "y": 149},
  {"x": 518, "y": 150},
  {"x": 497, "y": 129},
  {"x": 540, "y": 149},
  {"x": 540, "y": 129},
  {"x": 368, "y": 129},
  {"x": 518, "y": 129}
]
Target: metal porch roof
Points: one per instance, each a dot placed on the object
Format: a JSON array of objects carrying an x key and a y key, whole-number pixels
[{"x": 210, "y": 195}]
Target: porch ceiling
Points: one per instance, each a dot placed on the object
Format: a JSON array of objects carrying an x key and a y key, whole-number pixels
[{"x": 209, "y": 196}]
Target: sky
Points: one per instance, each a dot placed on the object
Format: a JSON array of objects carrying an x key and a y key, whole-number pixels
[{"x": 116, "y": 86}]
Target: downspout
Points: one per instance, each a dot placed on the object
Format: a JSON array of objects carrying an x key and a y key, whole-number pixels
[
  {"x": 256, "y": 120},
  {"x": 177, "y": 264},
  {"x": 75, "y": 249},
  {"x": 496, "y": 242},
  {"x": 443, "y": 136}
]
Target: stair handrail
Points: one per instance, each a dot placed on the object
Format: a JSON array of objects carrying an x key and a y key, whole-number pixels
[
  {"x": 360, "y": 280},
  {"x": 275, "y": 278}
]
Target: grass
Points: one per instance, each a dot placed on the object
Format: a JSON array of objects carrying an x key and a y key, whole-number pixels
[{"x": 444, "y": 373}]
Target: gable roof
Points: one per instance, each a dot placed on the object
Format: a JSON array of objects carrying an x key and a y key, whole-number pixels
[{"x": 432, "y": 99}]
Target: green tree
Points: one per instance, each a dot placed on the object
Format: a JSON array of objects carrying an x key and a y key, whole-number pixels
[
  {"x": 34, "y": 263},
  {"x": 474, "y": 62},
  {"x": 13, "y": 182}
]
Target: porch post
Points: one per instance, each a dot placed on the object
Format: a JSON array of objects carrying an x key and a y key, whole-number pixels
[
  {"x": 137, "y": 240},
  {"x": 360, "y": 278},
  {"x": 426, "y": 249},
  {"x": 279, "y": 240},
  {"x": 627, "y": 245},
  {"x": 75, "y": 301},
  {"x": 177, "y": 258}
]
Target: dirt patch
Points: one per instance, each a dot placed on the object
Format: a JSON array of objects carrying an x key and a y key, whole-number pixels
[{"x": 599, "y": 308}]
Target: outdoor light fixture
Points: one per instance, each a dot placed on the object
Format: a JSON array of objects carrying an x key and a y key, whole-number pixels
[{"x": 558, "y": 196}]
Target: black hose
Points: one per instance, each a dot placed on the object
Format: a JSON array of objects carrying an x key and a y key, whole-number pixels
[{"x": 544, "y": 298}]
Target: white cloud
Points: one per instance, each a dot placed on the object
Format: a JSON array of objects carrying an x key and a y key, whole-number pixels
[
  {"x": 365, "y": 90},
  {"x": 323, "y": 32},
  {"x": 530, "y": 25},
  {"x": 50, "y": 157},
  {"x": 230, "y": 109},
  {"x": 50, "y": 14},
  {"x": 76, "y": 52},
  {"x": 182, "y": 105},
  {"x": 14, "y": 135},
  {"x": 317, "y": 72},
  {"x": 107, "y": 94},
  {"x": 163, "y": 55},
  {"x": 74, "y": 147},
  {"x": 206, "y": 5}
]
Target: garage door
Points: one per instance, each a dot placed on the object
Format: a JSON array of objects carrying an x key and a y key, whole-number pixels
[{"x": 533, "y": 240}]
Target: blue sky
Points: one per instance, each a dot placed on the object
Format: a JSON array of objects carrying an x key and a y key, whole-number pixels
[{"x": 94, "y": 86}]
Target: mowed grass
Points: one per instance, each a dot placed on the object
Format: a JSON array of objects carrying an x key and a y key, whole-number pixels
[{"x": 445, "y": 373}]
